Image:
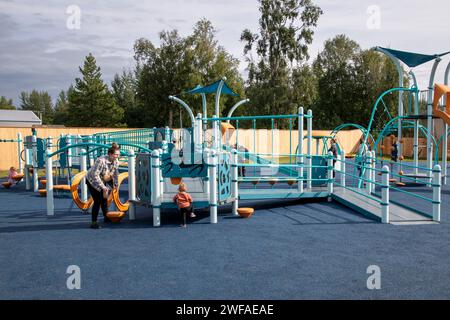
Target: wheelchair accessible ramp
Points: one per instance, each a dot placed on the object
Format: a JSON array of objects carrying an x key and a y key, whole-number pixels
[{"x": 370, "y": 208}]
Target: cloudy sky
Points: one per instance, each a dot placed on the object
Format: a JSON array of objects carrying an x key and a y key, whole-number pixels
[{"x": 41, "y": 47}]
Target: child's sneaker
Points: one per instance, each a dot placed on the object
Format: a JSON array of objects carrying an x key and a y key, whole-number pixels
[
  {"x": 94, "y": 225},
  {"x": 193, "y": 215}
]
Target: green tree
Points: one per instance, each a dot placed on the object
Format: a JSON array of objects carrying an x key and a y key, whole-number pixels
[
  {"x": 62, "y": 108},
  {"x": 40, "y": 103},
  {"x": 91, "y": 104},
  {"x": 176, "y": 65},
  {"x": 335, "y": 69},
  {"x": 124, "y": 92},
  {"x": 286, "y": 31},
  {"x": 349, "y": 81},
  {"x": 6, "y": 104}
]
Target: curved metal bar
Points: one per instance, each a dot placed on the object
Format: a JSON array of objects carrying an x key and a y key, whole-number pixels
[
  {"x": 218, "y": 92},
  {"x": 346, "y": 125},
  {"x": 235, "y": 107},
  {"x": 389, "y": 126},
  {"x": 184, "y": 104},
  {"x": 78, "y": 145}
]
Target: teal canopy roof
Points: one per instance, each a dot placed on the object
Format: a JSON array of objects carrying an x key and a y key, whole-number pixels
[
  {"x": 212, "y": 88},
  {"x": 412, "y": 59}
]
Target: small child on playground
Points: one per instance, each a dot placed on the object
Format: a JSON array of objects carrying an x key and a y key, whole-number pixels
[
  {"x": 11, "y": 174},
  {"x": 394, "y": 151},
  {"x": 184, "y": 203}
]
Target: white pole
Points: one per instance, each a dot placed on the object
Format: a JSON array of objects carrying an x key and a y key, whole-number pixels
[
  {"x": 49, "y": 184},
  {"x": 385, "y": 195},
  {"x": 161, "y": 178},
  {"x": 301, "y": 117},
  {"x": 430, "y": 122},
  {"x": 330, "y": 173},
  {"x": 437, "y": 193},
  {"x": 35, "y": 165},
  {"x": 368, "y": 172},
  {"x": 19, "y": 151},
  {"x": 234, "y": 181},
  {"x": 207, "y": 181},
  {"x": 215, "y": 134},
  {"x": 27, "y": 169},
  {"x": 131, "y": 184},
  {"x": 91, "y": 155},
  {"x": 416, "y": 147},
  {"x": 69, "y": 158},
  {"x": 374, "y": 165},
  {"x": 343, "y": 169},
  {"x": 83, "y": 167},
  {"x": 156, "y": 198},
  {"x": 309, "y": 151},
  {"x": 198, "y": 142},
  {"x": 444, "y": 153},
  {"x": 213, "y": 185}
]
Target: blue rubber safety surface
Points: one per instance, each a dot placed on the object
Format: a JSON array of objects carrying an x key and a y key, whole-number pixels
[{"x": 286, "y": 250}]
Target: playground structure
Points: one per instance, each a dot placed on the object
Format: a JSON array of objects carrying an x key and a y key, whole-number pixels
[{"x": 219, "y": 168}]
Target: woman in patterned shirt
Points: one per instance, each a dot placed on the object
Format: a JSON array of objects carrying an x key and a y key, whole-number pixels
[{"x": 101, "y": 179}]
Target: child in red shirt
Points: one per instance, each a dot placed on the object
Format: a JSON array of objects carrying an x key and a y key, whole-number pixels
[{"x": 184, "y": 203}]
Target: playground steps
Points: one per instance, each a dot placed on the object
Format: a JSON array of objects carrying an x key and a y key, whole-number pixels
[{"x": 372, "y": 209}]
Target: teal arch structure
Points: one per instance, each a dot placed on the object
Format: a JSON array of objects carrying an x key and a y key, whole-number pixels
[
  {"x": 363, "y": 130},
  {"x": 375, "y": 107},
  {"x": 391, "y": 125}
]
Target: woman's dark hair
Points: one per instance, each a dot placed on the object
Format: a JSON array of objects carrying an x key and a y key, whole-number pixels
[{"x": 113, "y": 148}]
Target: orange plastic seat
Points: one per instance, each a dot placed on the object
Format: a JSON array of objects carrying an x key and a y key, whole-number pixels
[
  {"x": 43, "y": 192},
  {"x": 7, "y": 185},
  {"x": 115, "y": 194},
  {"x": 245, "y": 212},
  {"x": 115, "y": 216},
  {"x": 175, "y": 181},
  {"x": 83, "y": 205},
  {"x": 400, "y": 184},
  {"x": 18, "y": 177},
  {"x": 62, "y": 187}
]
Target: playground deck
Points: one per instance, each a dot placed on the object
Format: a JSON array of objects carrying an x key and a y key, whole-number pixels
[{"x": 286, "y": 250}]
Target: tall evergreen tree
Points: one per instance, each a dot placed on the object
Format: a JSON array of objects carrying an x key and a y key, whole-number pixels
[{"x": 91, "y": 104}]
